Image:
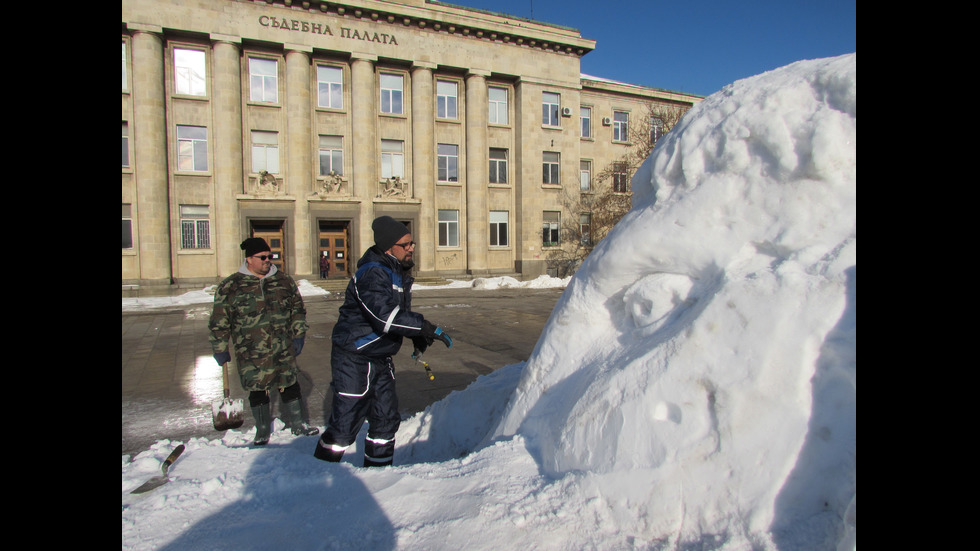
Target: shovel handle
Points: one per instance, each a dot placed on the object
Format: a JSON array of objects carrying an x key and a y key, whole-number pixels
[
  {"x": 172, "y": 457},
  {"x": 224, "y": 380}
]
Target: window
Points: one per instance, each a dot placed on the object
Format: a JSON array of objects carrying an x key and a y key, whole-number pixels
[
  {"x": 585, "y": 228},
  {"x": 656, "y": 129},
  {"x": 392, "y": 158},
  {"x": 192, "y": 148},
  {"x": 329, "y": 87},
  {"x": 125, "y": 144},
  {"x": 585, "y": 115},
  {"x": 263, "y": 79},
  {"x": 550, "y": 103},
  {"x": 498, "y": 166},
  {"x": 331, "y": 155},
  {"x": 621, "y": 126},
  {"x": 498, "y": 105},
  {"x": 127, "y": 226},
  {"x": 190, "y": 72},
  {"x": 498, "y": 228},
  {"x": 446, "y": 99},
  {"x": 391, "y": 93},
  {"x": 550, "y": 166},
  {"x": 448, "y": 228},
  {"x": 448, "y": 163},
  {"x": 195, "y": 232},
  {"x": 265, "y": 151},
  {"x": 552, "y": 221},
  {"x": 125, "y": 83},
  {"x": 585, "y": 175},
  {"x": 620, "y": 177}
]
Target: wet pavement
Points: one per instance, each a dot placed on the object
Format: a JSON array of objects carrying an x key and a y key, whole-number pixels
[{"x": 169, "y": 378}]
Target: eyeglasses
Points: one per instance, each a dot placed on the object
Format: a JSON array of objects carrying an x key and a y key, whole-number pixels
[
  {"x": 404, "y": 245},
  {"x": 264, "y": 257}
]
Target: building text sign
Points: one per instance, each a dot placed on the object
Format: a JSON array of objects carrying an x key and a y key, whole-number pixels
[{"x": 318, "y": 28}]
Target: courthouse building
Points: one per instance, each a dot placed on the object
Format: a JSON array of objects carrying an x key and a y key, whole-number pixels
[{"x": 302, "y": 121}]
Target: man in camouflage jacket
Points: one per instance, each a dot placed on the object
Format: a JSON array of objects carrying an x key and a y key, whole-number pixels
[{"x": 260, "y": 311}]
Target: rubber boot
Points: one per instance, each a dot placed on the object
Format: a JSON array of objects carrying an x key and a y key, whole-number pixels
[
  {"x": 292, "y": 415},
  {"x": 263, "y": 424}
]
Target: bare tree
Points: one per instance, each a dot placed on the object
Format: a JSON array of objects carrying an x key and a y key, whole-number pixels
[{"x": 592, "y": 213}]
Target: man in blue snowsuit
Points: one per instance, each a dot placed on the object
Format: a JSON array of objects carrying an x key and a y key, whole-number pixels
[{"x": 374, "y": 318}]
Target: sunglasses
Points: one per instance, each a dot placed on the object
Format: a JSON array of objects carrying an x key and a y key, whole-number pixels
[
  {"x": 263, "y": 257},
  {"x": 404, "y": 245}
]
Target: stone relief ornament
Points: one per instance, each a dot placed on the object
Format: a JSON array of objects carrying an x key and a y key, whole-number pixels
[
  {"x": 331, "y": 185},
  {"x": 267, "y": 184},
  {"x": 393, "y": 187}
]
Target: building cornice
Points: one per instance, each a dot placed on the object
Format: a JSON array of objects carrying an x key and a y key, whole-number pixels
[{"x": 439, "y": 17}]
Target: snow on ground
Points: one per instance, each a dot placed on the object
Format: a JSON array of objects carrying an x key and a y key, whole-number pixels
[{"x": 694, "y": 388}]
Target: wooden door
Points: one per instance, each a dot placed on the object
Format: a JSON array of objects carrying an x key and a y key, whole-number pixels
[
  {"x": 274, "y": 238},
  {"x": 333, "y": 245}
]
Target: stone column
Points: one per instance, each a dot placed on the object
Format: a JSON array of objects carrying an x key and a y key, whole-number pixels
[
  {"x": 477, "y": 196},
  {"x": 299, "y": 163},
  {"x": 150, "y": 153},
  {"x": 423, "y": 179},
  {"x": 364, "y": 149},
  {"x": 229, "y": 162}
]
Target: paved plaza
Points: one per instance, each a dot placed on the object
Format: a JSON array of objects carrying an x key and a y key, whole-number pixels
[{"x": 169, "y": 378}]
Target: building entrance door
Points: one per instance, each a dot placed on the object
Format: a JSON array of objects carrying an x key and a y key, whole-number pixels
[
  {"x": 272, "y": 233},
  {"x": 334, "y": 246}
]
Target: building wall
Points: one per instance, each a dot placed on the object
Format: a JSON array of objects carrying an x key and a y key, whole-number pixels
[{"x": 423, "y": 43}]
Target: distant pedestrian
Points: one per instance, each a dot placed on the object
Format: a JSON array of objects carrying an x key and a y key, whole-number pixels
[
  {"x": 259, "y": 309},
  {"x": 376, "y": 315},
  {"x": 324, "y": 266}
]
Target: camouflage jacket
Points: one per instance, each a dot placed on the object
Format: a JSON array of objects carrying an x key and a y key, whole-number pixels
[{"x": 260, "y": 316}]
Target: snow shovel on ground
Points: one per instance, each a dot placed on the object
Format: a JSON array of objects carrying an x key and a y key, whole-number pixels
[
  {"x": 227, "y": 413},
  {"x": 160, "y": 480}
]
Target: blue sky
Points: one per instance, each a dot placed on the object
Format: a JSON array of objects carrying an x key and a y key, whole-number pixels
[{"x": 696, "y": 47}]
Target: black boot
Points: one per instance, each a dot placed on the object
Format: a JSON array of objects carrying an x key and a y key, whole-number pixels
[
  {"x": 292, "y": 415},
  {"x": 263, "y": 424},
  {"x": 328, "y": 452}
]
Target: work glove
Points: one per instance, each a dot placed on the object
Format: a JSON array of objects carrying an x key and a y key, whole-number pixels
[
  {"x": 222, "y": 358},
  {"x": 421, "y": 343},
  {"x": 298, "y": 345},
  {"x": 431, "y": 332}
]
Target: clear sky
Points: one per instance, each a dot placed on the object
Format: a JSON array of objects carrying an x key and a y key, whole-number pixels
[{"x": 696, "y": 47}]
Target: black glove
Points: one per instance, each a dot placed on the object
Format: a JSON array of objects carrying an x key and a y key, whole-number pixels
[
  {"x": 421, "y": 343},
  {"x": 222, "y": 358},
  {"x": 298, "y": 345},
  {"x": 431, "y": 332}
]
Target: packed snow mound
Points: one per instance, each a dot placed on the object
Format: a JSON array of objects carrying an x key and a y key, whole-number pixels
[{"x": 714, "y": 364}]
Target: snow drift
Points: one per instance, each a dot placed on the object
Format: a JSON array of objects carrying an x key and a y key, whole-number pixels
[{"x": 716, "y": 361}]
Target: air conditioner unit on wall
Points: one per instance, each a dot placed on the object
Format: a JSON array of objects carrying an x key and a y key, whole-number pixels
[
  {"x": 606, "y": 121},
  {"x": 566, "y": 111}
]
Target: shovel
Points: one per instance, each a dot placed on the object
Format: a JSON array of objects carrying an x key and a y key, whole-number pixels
[
  {"x": 227, "y": 413},
  {"x": 160, "y": 480}
]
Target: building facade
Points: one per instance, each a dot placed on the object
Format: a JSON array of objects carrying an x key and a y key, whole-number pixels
[{"x": 302, "y": 121}]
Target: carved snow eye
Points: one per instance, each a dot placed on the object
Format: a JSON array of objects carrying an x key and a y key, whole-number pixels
[{"x": 653, "y": 298}]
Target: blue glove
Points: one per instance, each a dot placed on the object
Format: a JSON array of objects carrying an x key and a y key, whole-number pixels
[
  {"x": 298, "y": 345},
  {"x": 222, "y": 358},
  {"x": 431, "y": 332}
]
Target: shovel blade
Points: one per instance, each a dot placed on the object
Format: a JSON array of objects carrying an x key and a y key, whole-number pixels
[
  {"x": 150, "y": 484},
  {"x": 160, "y": 479},
  {"x": 228, "y": 414}
]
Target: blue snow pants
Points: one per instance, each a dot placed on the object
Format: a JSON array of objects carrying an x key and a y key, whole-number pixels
[{"x": 363, "y": 388}]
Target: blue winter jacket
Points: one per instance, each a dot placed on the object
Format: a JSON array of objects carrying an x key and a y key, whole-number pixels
[{"x": 377, "y": 309}]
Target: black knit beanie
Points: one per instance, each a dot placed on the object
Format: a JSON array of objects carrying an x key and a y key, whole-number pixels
[
  {"x": 254, "y": 245},
  {"x": 387, "y": 232}
]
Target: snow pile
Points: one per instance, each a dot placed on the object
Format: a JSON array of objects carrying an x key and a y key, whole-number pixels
[
  {"x": 307, "y": 289},
  {"x": 714, "y": 358},
  {"x": 695, "y": 386}
]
